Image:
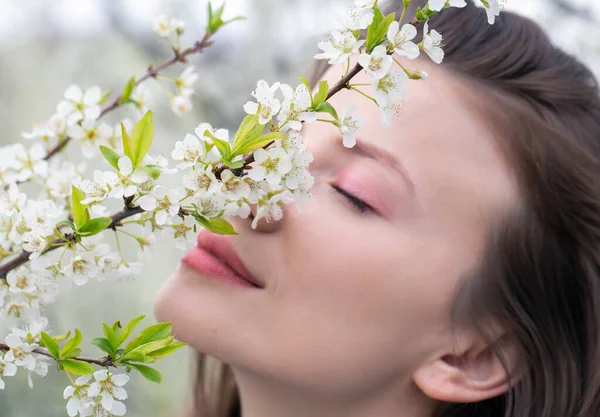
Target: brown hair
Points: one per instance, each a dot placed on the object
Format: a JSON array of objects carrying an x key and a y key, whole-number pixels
[{"x": 540, "y": 273}]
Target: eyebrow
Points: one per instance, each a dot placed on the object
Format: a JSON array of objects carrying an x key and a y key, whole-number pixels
[{"x": 379, "y": 154}]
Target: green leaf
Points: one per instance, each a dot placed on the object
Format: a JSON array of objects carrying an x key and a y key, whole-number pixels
[
  {"x": 327, "y": 108},
  {"x": 94, "y": 226},
  {"x": 127, "y": 90},
  {"x": 105, "y": 346},
  {"x": 249, "y": 123},
  {"x": 234, "y": 165},
  {"x": 51, "y": 345},
  {"x": 153, "y": 170},
  {"x": 155, "y": 332},
  {"x": 149, "y": 373},
  {"x": 261, "y": 142},
  {"x": 149, "y": 347},
  {"x": 166, "y": 351},
  {"x": 127, "y": 143},
  {"x": 117, "y": 328},
  {"x": 222, "y": 146},
  {"x": 62, "y": 337},
  {"x": 111, "y": 156},
  {"x": 104, "y": 97},
  {"x": 79, "y": 211},
  {"x": 141, "y": 138},
  {"x": 67, "y": 223},
  {"x": 306, "y": 83},
  {"x": 110, "y": 335},
  {"x": 215, "y": 225},
  {"x": 78, "y": 367},
  {"x": 72, "y": 344},
  {"x": 383, "y": 28},
  {"x": 322, "y": 93},
  {"x": 372, "y": 29},
  {"x": 128, "y": 328}
]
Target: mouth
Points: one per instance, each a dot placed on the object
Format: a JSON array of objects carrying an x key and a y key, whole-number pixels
[{"x": 216, "y": 257}]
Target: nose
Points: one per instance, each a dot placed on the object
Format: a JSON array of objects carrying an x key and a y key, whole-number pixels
[{"x": 266, "y": 224}]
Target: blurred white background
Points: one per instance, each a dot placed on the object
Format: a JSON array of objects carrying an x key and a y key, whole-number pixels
[{"x": 45, "y": 45}]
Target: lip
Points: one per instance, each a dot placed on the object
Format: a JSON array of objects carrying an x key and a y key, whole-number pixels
[{"x": 216, "y": 257}]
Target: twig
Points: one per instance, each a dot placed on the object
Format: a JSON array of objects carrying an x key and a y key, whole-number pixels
[
  {"x": 100, "y": 362},
  {"x": 198, "y": 47},
  {"x": 23, "y": 257}
]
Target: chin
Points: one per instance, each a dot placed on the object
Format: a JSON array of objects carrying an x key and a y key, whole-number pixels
[{"x": 204, "y": 314}]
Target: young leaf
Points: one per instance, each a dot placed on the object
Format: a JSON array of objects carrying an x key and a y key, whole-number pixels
[
  {"x": 155, "y": 332},
  {"x": 149, "y": 347},
  {"x": 111, "y": 156},
  {"x": 222, "y": 146},
  {"x": 128, "y": 328},
  {"x": 127, "y": 143},
  {"x": 104, "y": 97},
  {"x": 322, "y": 93},
  {"x": 79, "y": 211},
  {"x": 149, "y": 373},
  {"x": 127, "y": 90},
  {"x": 153, "y": 170},
  {"x": 110, "y": 335},
  {"x": 249, "y": 123},
  {"x": 166, "y": 351},
  {"x": 117, "y": 329},
  {"x": 62, "y": 337},
  {"x": 260, "y": 142},
  {"x": 383, "y": 28},
  {"x": 215, "y": 225},
  {"x": 94, "y": 226},
  {"x": 105, "y": 346},
  {"x": 72, "y": 344},
  {"x": 67, "y": 223},
  {"x": 141, "y": 138},
  {"x": 373, "y": 28},
  {"x": 307, "y": 84},
  {"x": 134, "y": 356},
  {"x": 78, "y": 367},
  {"x": 327, "y": 108},
  {"x": 51, "y": 345}
]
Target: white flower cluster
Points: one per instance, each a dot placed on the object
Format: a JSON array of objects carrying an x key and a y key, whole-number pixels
[
  {"x": 22, "y": 343},
  {"x": 100, "y": 398}
]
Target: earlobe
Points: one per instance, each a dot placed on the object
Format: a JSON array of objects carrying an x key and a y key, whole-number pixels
[{"x": 473, "y": 375}]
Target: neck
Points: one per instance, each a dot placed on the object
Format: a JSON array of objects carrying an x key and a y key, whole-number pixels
[{"x": 264, "y": 397}]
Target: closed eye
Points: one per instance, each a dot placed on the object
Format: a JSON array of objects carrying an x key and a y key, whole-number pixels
[{"x": 356, "y": 202}]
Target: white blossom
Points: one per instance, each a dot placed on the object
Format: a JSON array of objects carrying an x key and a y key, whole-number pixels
[
  {"x": 180, "y": 104},
  {"x": 190, "y": 151},
  {"x": 91, "y": 135},
  {"x": 390, "y": 87},
  {"x": 299, "y": 176},
  {"x": 267, "y": 105},
  {"x": 30, "y": 162},
  {"x": 201, "y": 181},
  {"x": 234, "y": 188},
  {"x": 21, "y": 280},
  {"x": 212, "y": 205},
  {"x": 182, "y": 230},
  {"x": 401, "y": 39},
  {"x": 7, "y": 368},
  {"x": 108, "y": 388},
  {"x": 58, "y": 124},
  {"x": 185, "y": 82},
  {"x": 437, "y": 5},
  {"x": 164, "y": 202},
  {"x": 356, "y": 18},
  {"x": 390, "y": 110},
  {"x": 349, "y": 125},
  {"x": 271, "y": 165},
  {"x": 339, "y": 47},
  {"x": 365, "y": 4},
  {"x": 80, "y": 104},
  {"x": 21, "y": 352},
  {"x": 81, "y": 268},
  {"x": 77, "y": 395},
  {"x": 129, "y": 179},
  {"x": 377, "y": 64},
  {"x": 432, "y": 42},
  {"x": 12, "y": 200},
  {"x": 269, "y": 207},
  {"x": 100, "y": 188},
  {"x": 294, "y": 107},
  {"x": 42, "y": 132},
  {"x": 163, "y": 26}
]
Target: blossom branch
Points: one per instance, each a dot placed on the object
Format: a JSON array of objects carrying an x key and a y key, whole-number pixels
[
  {"x": 23, "y": 257},
  {"x": 198, "y": 47},
  {"x": 107, "y": 361}
]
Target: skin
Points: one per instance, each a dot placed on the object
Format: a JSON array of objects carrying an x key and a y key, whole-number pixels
[{"x": 355, "y": 317}]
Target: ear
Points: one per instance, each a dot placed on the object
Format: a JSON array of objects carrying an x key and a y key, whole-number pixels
[{"x": 469, "y": 374}]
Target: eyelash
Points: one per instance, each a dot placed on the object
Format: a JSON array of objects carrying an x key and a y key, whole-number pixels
[{"x": 356, "y": 202}]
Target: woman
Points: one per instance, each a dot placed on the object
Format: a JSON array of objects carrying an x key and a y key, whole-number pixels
[{"x": 448, "y": 265}]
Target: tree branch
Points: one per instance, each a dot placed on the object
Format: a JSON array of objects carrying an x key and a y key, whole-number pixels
[
  {"x": 44, "y": 352},
  {"x": 23, "y": 257}
]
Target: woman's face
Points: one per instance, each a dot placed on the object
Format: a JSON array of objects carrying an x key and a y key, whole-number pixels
[{"x": 355, "y": 300}]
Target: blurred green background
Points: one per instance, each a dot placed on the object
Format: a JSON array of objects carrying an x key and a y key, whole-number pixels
[{"x": 45, "y": 45}]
